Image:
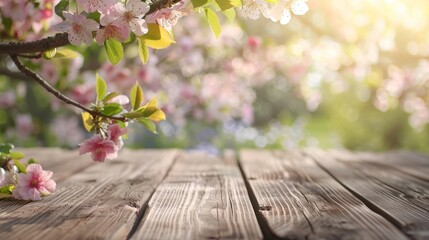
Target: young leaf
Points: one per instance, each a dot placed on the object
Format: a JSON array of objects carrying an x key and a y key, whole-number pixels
[
  {"x": 100, "y": 87},
  {"x": 230, "y": 14},
  {"x": 50, "y": 53},
  {"x": 7, "y": 189},
  {"x": 66, "y": 53},
  {"x": 152, "y": 103},
  {"x": 111, "y": 109},
  {"x": 133, "y": 115},
  {"x": 16, "y": 155},
  {"x": 114, "y": 50},
  {"x": 157, "y": 116},
  {"x": 200, "y": 3},
  {"x": 143, "y": 51},
  {"x": 109, "y": 96},
  {"x": 6, "y": 147},
  {"x": 228, "y": 4},
  {"x": 157, "y": 37},
  {"x": 136, "y": 96},
  {"x": 148, "y": 124},
  {"x": 20, "y": 166},
  {"x": 213, "y": 21},
  {"x": 88, "y": 122},
  {"x": 60, "y": 7}
]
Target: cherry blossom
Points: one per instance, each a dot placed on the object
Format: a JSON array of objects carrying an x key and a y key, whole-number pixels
[
  {"x": 78, "y": 27},
  {"x": 115, "y": 133},
  {"x": 33, "y": 184},
  {"x": 282, "y": 10},
  {"x": 99, "y": 148},
  {"x": 111, "y": 29},
  {"x": 14, "y": 9},
  {"x": 252, "y": 9},
  {"x": 96, "y": 5},
  {"x": 132, "y": 15}
]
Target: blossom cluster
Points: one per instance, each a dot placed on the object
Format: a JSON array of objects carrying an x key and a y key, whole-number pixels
[
  {"x": 26, "y": 16},
  {"x": 117, "y": 20}
]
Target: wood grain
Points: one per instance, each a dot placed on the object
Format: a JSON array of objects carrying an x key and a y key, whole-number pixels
[
  {"x": 411, "y": 163},
  {"x": 203, "y": 197},
  {"x": 398, "y": 197},
  {"x": 299, "y": 200},
  {"x": 100, "y": 202}
]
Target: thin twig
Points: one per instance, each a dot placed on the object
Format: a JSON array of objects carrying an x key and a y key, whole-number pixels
[{"x": 57, "y": 93}]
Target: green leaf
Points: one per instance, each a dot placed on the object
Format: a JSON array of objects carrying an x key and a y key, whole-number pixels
[
  {"x": 50, "y": 53},
  {"x": 133, "y": 115},
  {"x": 60, "y": 7},
  {"x": 66, "y": 53},
  {"x": 136, "y": 96},
  {"x": 143, "y": 51},
  {"x": 228, "y": 4},
  {"x": 111, "y": 109},
  {"x": 6, "y": 147},
  {"x": 157, "y": 37},
  {"x": 200, "y": 3},
  {"x": 213, "y": 21},
  {"x": 7, "y": 189},
  {"x": 16, "y": 155},
  {"x": 20, "y": 166},
  {"x": 31, "y": 161},
  {"x": 109, "y": 96},
  {"x": 230, "y": 14},
  {"x": 114, "y": 50},
  {"x": 148, "y": 124},
  {"x": 100, "y": 87},
  {"x": 94, "y": 16}
]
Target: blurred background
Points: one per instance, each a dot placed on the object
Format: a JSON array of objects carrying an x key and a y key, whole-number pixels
[{"x": 349, "y": 74}]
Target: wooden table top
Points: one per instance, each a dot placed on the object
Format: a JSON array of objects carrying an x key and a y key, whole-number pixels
[{"x": 254, "y": 194}]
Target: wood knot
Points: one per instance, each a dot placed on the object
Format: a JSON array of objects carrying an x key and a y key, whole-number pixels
[{"x": 265, "y": 208}]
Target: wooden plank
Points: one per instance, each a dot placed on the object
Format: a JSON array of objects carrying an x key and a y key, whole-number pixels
[
  {"x": 203, "y": 197},
  {"x": 100, "y": 202},
  {"x": 413, "y": 188},
  {"x": 387, "y": 195},
  {"x": 299, "y": 200}
]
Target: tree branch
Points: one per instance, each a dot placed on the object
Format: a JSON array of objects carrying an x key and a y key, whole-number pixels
[
  {"x": 61, "y": 39},
  {"x": 57, "y": 93}
]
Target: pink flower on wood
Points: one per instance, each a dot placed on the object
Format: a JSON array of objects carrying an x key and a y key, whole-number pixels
[
  {"x": 99, "y": 148},
  {"x": 78, "y": 27},
  {"x": 115, "y": 133},
  {"x": 34, "y": 184}
]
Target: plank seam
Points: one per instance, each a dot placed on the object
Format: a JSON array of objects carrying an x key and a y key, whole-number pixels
[
  {"x": 263, "y": 224},
  {"x": 142, "y": 211},
  {"x": 367, "y": 203}
]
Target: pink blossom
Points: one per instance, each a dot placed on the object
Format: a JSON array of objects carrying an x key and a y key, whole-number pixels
[
  {"x": 254, "y": 42},
  {"x": 14, "y": 9},
  {"x": 83, "y": 94},
  {"x": 111, "y": 29},
  {"x": 34, "y": 184},
  {"x": 168, "y": 17},
  {"x": 99, "y": 148},
  {"x": 78, "y": 27},
  {"x": 7, "y": 99},
  {"x": 94, "y": 5},
  {"x": 115, "y": 133},
  {"x": 24, "y": 124},
  {"x": 120, "y": 99},
  {"x": 132, "y": 14}
]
